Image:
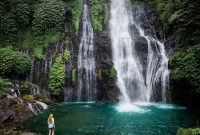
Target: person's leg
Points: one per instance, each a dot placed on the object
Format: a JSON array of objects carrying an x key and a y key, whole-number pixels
[
  {"x": 53, "y": 131},
  {"x": 49, "y": 131}
]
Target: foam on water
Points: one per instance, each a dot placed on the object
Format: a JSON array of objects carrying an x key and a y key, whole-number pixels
[
  {"x": 112, "y": 119},
  {"x": 130, "y": 107},
  {"x": 143, "y": 103},
  {"x": 143, "y": 107},
  {"x": 81, "y": 102},
  {"x": 170, "y": 106}
]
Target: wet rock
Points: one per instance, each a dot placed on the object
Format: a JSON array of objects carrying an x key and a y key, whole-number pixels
[
  {"x": 15, "y": 111},
  {"x": 106, "y": 88},
  {"x": 27, "y": 133},
  {"x": 2, "y": 95},
  {"x": 13, "y": 114}
]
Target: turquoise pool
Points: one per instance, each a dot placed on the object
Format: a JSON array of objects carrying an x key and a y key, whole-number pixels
[{"x": 98, "y": 118}]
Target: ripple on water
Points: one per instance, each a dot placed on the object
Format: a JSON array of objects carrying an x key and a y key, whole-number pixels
[{"x": 111, "y": 119}]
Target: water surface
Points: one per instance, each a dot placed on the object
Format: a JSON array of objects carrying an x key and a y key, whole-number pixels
[{"x": 90, "y": 118}]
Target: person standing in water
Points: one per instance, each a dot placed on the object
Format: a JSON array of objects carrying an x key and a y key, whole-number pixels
[{"x": 51, "y": 124}]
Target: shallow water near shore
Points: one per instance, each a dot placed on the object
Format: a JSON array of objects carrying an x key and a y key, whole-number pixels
[{"x": 98, "y": 118}]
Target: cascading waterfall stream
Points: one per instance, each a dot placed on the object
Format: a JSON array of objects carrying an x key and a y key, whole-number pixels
[
  {"x": 157, "y": 61},
  {"x": 133, "y": 84},
  {"x": 129, "y": 71},
  {"x": 86, "y": 60}
]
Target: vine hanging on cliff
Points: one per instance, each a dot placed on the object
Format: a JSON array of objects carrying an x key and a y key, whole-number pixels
[
  {"x": 99, "y": 14},
  {"x": 76, "y": 14},
  {"x": 56, "y": 77}
]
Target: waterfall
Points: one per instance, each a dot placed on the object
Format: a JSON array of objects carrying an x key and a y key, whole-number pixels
[
  {"x": 44, "y": 106},
  {"x": 31, "y": 109},
  {"x": 40, "y": 68},
  {"x": 157, "y": 61},
  {"x": 135, "y": 80},
  {"x": 129, "y": 71},
  {"x": 36, "y": 107},
  {"x": 86, "y": 60}
]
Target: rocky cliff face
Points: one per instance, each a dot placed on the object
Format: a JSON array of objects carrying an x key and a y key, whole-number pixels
[
  {"x": 106, "y": 86},
  {"x": 14, "y": 111},
  {"x": 107, "y": 89}
]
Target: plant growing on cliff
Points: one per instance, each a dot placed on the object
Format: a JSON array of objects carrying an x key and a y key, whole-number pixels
[
  {"x": 5, "y": 84},
  {"x": 49, "y": 14},
  {"x": 23, "y": 85},
  {"x": 22, "y": 63},
  {"x": 99, "y": 74},
  {"x": 186, "y": 67},
  {"x": 112, "y": 74},
  {"x": 74, "y": 76},
  {"x": 174, "y": 16},
  {"x": 56, "y": 76},
  {"x": 189, "y": 131},
  {"x": 76, "y": 14},
  {"x": 8, "y": 29},
  {"x": 66, "y": 56},
  {"x": 14, "y": 61},
  {"x": 99, "y": 14},
  {"x": 7, "y": 60},
  {"x": 29, "y": 97}
]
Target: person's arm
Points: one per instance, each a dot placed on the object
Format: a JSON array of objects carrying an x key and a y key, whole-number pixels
[{"x": 53, "y": 122}]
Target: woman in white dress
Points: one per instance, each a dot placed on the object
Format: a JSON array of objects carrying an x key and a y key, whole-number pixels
[{"x": 51, "y": 124}]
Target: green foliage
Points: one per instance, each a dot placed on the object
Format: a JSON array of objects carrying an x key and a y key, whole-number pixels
[
  {"x": 15, "y": 61},
  {"x": 66, "y": 56},
  {"x": 163, "y": 8},
  {"x": 49, "y": 14},
  {"x": 138, "y": 3},
  {"x": 8, "y": 29},
  {"x": 76, "y": 14},
  {"x": 31, "y": 24},
  {"x": 189, "y": 131},
  {"x": 23, "y": 14},
  {"x": 186, "y": 66},
  {"x": 29, "y": 97},
  {"x": 174, "y": 17},
  {"x": 181, "y": 19},
  {"x": 113, "y": 73},
  {"x": 7, "y": 60},
  {"x": 22, "y": 63},
  {"x": 99, "y": 14},
  {"x": 56, "y": 76},
  {"x": 5, "y": 84},
  {"x": 47, "y": 101},
  {"x": 38, "y": 52},
  {"x": 39, "y": 43},
  {"x": 74, "y": 76},
  {"x": 25, "y": 85},
  {"x": 100, "y": 74},
  {"x": 15, "y": 16}
]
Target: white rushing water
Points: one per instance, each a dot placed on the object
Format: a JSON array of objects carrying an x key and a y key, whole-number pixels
[
  {"x": 31, "y": 109},
  {"x": 44, "y": 106},
  {"x": 86, "y": 60},
  {"x": 157, "y": 61},
  {"x": 133, "y": 84},
  {"x": 129, "y": 72}
]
